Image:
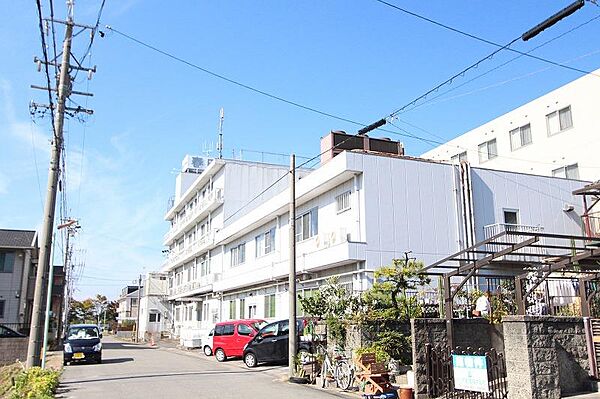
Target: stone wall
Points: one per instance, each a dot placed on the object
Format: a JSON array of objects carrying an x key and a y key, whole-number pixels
[
  {"x": 13, "y": 349},
  {"x": 474, "y": 333},
  {"x": 546, "y": 357}
]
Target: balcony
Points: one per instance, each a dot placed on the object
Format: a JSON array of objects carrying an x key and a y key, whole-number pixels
[
  {"x": 191, "y": 250},
  {"x": 591, "y": 224},
  {"x": 493, "y": 229},
  {"x": 211, "y": 202},
  {"x": 204, "y": 284}
]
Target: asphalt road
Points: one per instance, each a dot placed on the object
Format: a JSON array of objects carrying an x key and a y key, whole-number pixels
[{"x": 138, "y": 371}]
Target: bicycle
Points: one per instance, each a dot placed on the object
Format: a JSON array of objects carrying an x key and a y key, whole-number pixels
[{"x": 337, "y": 369}]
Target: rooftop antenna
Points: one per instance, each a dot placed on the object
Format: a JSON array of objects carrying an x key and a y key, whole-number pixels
[{"x": 220, "y": 141}]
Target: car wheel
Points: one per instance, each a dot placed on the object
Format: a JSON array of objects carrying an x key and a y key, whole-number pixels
[
  {"x": 99, "y": 360},
  {"x": 207, "y": 350},
  {"x": 65, "y": 363},
  {"x": 250, "y": 359},
  {"x": 220, "y": 355}
]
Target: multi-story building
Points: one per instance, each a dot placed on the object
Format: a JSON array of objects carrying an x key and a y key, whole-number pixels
[
  {"x": 355, "y": 213},
  {"x": 553, "y": 135},
  {"x": 155, "y": 315}
]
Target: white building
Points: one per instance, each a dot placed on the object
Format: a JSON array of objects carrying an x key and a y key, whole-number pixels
[
  {"x": 127, "y": 309},
  {"x": 155, "y": 315},
  {"x": 554, "y": 135},
  {"x": 355, "y": 213}
]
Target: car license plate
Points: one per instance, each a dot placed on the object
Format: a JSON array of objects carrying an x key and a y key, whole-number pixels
[{"x": 78, "y": 355}]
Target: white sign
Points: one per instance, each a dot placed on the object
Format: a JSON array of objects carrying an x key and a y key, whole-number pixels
[{"x": 470, "y": 373}]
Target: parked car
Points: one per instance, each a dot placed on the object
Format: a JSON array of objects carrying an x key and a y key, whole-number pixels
[
  {"x": 270, "y": 344},
  {"x": 6, "y": 332},
  {"x": 230, "y": 337},
  {"x": 82, "y": 343},
  {"x": 207, "y": 343}
]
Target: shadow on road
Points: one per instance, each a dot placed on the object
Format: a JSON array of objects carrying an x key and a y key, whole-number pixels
[
  {"x": 117, "y": 360},
  {"x": 66, "y": 384},
  {"x": 119, "y": 345}
]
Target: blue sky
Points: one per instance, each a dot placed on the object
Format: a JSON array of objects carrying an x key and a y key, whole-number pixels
[{"x": 356, "y": 59}]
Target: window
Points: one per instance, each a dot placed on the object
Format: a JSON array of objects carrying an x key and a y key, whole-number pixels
[
  {"x": 568, "y": 172},
  {"x": 238, "y": 254},
  {"x": 224, "y": 329},
  {"x": 232, "y": 309},
  {"x": 558, "y": 121},
  {"x": 520, "y": 137},
  {"x": 204, "y": 265},
  {"x": 251, "y": 311},
  {"x": 205, "y": 311},
  {"x": 343, "y": 201},
  {"x": 133, "y": 301},
  {"x": 244, "y": 330},
  {"x": 265, "y": 243},
  {"x": 307, "y": 225},
  {"x": 284, "y": 328},
  {"x": 2, "y": 302},
  {"x": 7, "y": 262},
  {"x": 458, "y": 158},
  {"x": 242, "y": 308},
  {"x": 511, "y": 216},
  {"x": 487, "y": 150},
  {"x": 270, "y": 305},
  {"x": 154, "y": 318},
  {"x": 270, "y": 331}
]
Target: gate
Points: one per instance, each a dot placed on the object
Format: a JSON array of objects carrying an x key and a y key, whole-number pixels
[
  {"x": 440, "y": 376},
  {"x": 592, "y": 327}
]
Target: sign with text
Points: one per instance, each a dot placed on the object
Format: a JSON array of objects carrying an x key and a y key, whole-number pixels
[{"x": 470, "y": 373}]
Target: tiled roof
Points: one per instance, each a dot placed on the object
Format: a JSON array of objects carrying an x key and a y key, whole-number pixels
[{"x": 16, "y": 238}]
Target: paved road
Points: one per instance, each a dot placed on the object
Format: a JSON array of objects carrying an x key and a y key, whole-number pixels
[{"x": 137, "y": 371}]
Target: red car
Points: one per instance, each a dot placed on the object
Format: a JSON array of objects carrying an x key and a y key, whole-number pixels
[{"x": 230, "y": 337}]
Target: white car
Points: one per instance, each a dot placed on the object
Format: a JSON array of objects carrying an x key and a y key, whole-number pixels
[{"x": 207, "y": 343}]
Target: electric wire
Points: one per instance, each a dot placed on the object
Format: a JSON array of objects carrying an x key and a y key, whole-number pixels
[
  {"x": 481, "y": 39},
  {"x": 505, "y": 63},
  {"x": 45, "y": 55}
]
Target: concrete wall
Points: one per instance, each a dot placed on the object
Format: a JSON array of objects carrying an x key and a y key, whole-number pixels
[
  {"x": 546, "y": 357},
  {"x": 12, "y": 349}
]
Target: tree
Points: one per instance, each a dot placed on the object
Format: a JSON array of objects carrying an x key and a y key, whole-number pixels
[
  {"x": 388, "y": 298},
  {"x": 82, "y": 311}
]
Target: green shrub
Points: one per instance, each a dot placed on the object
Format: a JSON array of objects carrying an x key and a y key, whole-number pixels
[
  {"x": 35, "y": 383},
  {"x": 380, "y": 354}
]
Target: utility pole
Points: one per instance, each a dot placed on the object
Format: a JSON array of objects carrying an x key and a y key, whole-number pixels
[
  {"x": 293, "y": 336},
  {"x": 64, "y": 87},
  {"x": 137, "y": 323},
  {"x": 48, "y": 302}
]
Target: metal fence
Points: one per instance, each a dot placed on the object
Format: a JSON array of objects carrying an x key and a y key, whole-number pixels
[{"x": 440, "y": 375}]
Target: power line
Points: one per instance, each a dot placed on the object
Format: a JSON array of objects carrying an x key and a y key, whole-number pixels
[
  {"x": 506, "y": 63},
  {"x": 481, "y": 39},
  {"x": 45, "y": 54}
]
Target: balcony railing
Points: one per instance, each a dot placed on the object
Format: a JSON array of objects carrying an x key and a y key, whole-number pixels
[
  {"x": 493, "y": 229},
  {"x": 191, "y": 249},
  {"x": 212, "y": 198},
  {"x": 204, "y": 281},
  {"x": 591, "y": 223}
]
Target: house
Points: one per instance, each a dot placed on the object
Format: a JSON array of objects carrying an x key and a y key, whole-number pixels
[
  {"x": 18, "y": 267},
  {"x": 228, "y": 255},
  {"x": 553, "y": 135},
  {"x": 18, "y": 260},
  {"x": 127, "y": 309}
]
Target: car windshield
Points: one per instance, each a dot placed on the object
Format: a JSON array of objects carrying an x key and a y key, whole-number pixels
[
  {"x": 82, "y": 333},
  {"x": 258, "y": 324}
]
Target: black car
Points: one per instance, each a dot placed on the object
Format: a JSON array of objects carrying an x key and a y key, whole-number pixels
[
  {"x": 270, "y": 344},
  {"x": 6, "y": 332},
  {"x": 82, "y": 343}
]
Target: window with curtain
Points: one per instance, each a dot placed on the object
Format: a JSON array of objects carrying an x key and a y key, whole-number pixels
[
  {"x": 558, "y": 121},
  {"x": 487, "y": 150},
  {"x": 520, "y": 137},
  {"x": 307, "y": 225},
  {"x": 270, "y": 305}
]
